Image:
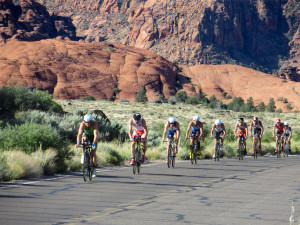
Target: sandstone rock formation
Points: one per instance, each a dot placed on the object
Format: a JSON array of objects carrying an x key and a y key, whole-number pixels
[
  {"x": 72, "y": 70},
  {"x": 30, "y": 21},
  {"x": 260, "y": 34}
]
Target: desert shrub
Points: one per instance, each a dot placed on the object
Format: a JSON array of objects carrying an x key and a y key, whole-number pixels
[
  {"x": 4, "y": 168},
  {"x": 172, "y": 100},
  {"x": 153, "y": 138},
  {"x": 46, "y": 159},
  {"x": 13, "y": 99},
  {"x": 181, "y": 96},
  {"x": 141, "y": 95},
  {"x": 112, "y": 157},
  {"x": 261, "y": 107},
  {"x": 29, "y": 137},
  {"x": 194, "y": 100},
  {"x": 88, "y": 98},
  {"x": 271, "y": 106},
  {"x": 296, "y": 135},
  {"x": 236, "y": 104}
]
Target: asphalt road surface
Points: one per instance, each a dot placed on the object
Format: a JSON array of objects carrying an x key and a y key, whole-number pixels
[{"x": 263, "y": 191}]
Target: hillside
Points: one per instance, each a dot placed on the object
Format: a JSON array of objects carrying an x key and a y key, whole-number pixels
[{"x": 259, "y": 34}]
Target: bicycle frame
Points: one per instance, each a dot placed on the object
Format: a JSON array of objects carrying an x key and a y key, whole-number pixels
[
  {"x": 137, "y": 155},
  {"x": 217, "y": 148},
  {"x": 241, "y": 147},
  {"x": 194, "y": 149},
  {"x": 87, "y": 167},
  {"x": 171, "y": 154},
  {"x": 255, "y": 145},
  {"x": 286, "y": 146},
  {"x": 279, "y": 145}
]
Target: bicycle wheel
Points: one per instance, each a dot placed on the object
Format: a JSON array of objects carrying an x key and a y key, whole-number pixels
[
  {"x": 278, "y": 148},
  {"x": 173, "y": 156},
  {"x": 255, "y": 148},
  {"x": 218, "y": 153},
  {"x": 192, "y": 153},
  {"x": 286, "y": 149},
  {"x": 216, "y": 150},
  {"x": 134, "y": 166},
  {"x": 241, "y": 148},
  {"x": 195, "y": 154},
  {"x": 91, "y": 170},
  {"x": 169, "y": 155},
  {"x": 139, "y": 161},
  {"x": 85, "y": 167}
]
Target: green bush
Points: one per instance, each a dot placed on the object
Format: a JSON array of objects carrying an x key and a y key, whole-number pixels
[
  {"x": 4, "y": 168},
  {"x": 29, "y": 137},
  {"x": 141, "y": 95},
  {"x": 88, "y": 98},
  {"x": 181, "y": 96},
  {"x": 194, "y": 100},
  {"x": 112, "y": 157}
]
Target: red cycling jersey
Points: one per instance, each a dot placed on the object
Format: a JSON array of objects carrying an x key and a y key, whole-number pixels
[{"x": 279, "y": 127}]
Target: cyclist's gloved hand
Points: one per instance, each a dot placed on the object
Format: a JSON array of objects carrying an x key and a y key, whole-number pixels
[{"x": 93, "y": 146}]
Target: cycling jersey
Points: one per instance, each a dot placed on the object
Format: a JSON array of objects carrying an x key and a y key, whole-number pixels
[
  {"x": 287, "y": 132},
  {"x": 138, "y": 128},
  {"x": 219, "y": 129},
  {"x": 89, "y": 130},
  {"x": 279, "y": 127},
  {"x": 195, "y": 128},
  {"x": 242, "y": 126},
  {"x": 172, "y": 129}
]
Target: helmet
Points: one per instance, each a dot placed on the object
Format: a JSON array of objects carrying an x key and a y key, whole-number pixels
[
  {"x": 255, "y": 118},
  {"x": 196, "y": 118},
  {"x": 286, "y": 123},
  {"x": 278, "y": 121},
  {"x": 218, "y": 122},
  {"x": 137, "y": 116},
  {"x": 172, "y": 120},
  {"x": 241, "y": 119},
  {"x": 88, "y": 117}
]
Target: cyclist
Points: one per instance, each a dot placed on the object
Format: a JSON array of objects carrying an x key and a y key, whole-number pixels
[
  {"x": 257, "y": 129},
  {"x": 137, "y": 127},
  {"x": 219, "y": 128},
  {"x": 173, "y": 128},
  {"x": 196, "y": 127},
  {"x": 88, "y": 130},
  {"x": 243, "y": 132},
  {"x": 287, "y": 133},
  {"x": 279, "y": 127}
]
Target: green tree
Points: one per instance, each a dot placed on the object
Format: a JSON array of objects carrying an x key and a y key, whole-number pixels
[
  {"x": 236, "y": 104},
  {"x": 261, "y": 107},
  {"x": 181, "y": 96},
  {"x": 141, "y": 95},
  {"x": 271, "y": 106}
]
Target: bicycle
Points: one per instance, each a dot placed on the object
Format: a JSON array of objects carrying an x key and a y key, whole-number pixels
[
  {"x": 241, "y": 147},
  {"x": 279, "y": 145},
  {"x": 137, "y": 156},
  {"x": 255, "y": 146},
  {"x": 87, "y": 166},
  {"x": 286, "y": 146},
  {"x": 217, "y": 148},
  {"x": 194, "y": 149},
  {"x": 171, "y": 152}
]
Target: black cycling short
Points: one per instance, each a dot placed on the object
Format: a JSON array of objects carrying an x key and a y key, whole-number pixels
[
  {"x": 257, "y": 131},
  {"x": 279, "y": 132},
  {"x": 217, "y": 134},
  {"x": 89, "y": 138}
]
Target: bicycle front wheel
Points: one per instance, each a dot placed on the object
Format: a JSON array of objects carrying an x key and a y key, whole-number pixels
[
  {"x": 85, "y": 167},
  {"x": 173, "y": 156},
  {"x": 241, "y": 149},
  {"x": 278, "y": 149}
]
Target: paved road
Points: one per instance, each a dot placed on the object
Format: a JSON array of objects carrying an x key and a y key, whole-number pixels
[{"x": 231, "y": 192}]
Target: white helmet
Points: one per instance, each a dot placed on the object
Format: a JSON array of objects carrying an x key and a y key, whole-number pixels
[
  {"x": 218, "y": 122},
  {"x": 172, "y": 120},
  {"x": 286, "y": 123},
  {"x": 196, "y": 118},
  {"x": 88, "y": 117}
]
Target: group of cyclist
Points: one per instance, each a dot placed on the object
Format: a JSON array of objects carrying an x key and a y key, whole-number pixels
[{"x": 88, "y": 130}]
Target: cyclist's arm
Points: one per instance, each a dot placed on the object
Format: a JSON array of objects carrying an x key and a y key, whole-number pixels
[
  {"x": 145, "y": 127},
  {"x": 290, "y": 133},
  {"x": 95, "y": 133},
  {"x": 224, "y": 130},
  {"x": 274, "y": 130},
  {"x": 178, "y": 130},
  {"x": 130, "y": 129},
  {"x": 165, "y": 131},
  {"x": 201, "y": 130},
  {"x": 251, "y": 124},
  {"x": 188, "y": 129},
  {"x": 262, "y": 128},
  {"x": 246, "y": 128},
  {"x": 80, "y": 132},
  {"x": 212, "y": 130},
  {"x": 235, "y": 129}
]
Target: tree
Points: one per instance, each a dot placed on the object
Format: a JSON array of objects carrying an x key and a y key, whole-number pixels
[
  {"x": 271, "y": 106},
  {"x": 261, "y": 107},
  {"x": 236, "y": 104},
  {"x": 181, "y": 96},
  {"x": 141, "y": 95}
]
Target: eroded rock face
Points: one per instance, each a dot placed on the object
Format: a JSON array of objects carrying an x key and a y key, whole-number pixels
[
  {"x": 255, "y": 33},
  {"x": 30, "y": 21},
  {"x": 72, "y": 70}
]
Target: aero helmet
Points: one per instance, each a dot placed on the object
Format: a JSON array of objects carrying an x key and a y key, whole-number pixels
[
  {"x": 286, "y": 123},
  {"x": 218, "y": 122},
  {"x": 88, "y": 117},
  {"x": 172, "y": 120},
  {"x": 196, "y": 118},
  {"x": 137, "y": 116}
]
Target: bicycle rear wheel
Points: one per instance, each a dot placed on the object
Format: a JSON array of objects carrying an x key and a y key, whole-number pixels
[
  {"x": 241, "y": 150},
  {"x": 278, "y": 149},
  {"x": 216, "y": 151},
  {"x": 169, "y": 155},
  {"x": 286, "y": 149},
  {"x": 192, "y": 153},
  {"x": 173, "y": 156},
  {"x": 85, "y": 167},
  {"x": 195, "y": 154},
  {"x": 139, "y": 161},
  {"x": 255, "y": 148}
]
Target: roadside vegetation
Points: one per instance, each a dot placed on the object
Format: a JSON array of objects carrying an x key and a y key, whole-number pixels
[{"x": 38, "y": 138}]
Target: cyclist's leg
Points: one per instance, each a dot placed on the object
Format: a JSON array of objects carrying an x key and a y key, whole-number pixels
[
  {"x": 132, "y": 149},
  {"x": 176, "y": 137}
]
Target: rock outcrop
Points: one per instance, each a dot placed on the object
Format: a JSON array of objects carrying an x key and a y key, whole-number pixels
[{"x": 260, "y": 34}]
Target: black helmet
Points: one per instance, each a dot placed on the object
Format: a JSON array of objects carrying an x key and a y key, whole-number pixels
[
  {"x": 241, "y": 119},
  {"x": 137, "y": 116}
]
